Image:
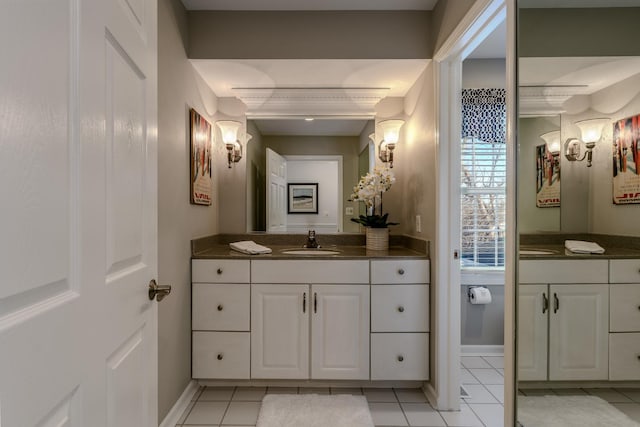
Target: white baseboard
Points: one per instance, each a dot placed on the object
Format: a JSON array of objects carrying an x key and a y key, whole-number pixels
[
  {"x": 482, "y": 350},
  {"x": 173, "y": 417}
]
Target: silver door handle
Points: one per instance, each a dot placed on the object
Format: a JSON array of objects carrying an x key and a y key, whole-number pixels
[{"x": 158, "y": 292}]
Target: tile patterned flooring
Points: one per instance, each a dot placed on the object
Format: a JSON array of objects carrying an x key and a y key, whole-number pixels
[{"x": 481, "y": 378}]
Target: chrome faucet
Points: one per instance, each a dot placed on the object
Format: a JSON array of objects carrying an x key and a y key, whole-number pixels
[{"x": 311, "y": 240}]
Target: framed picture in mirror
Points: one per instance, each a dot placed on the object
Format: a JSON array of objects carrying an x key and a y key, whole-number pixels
[
  {"x": 626, "y": 161},
  {"x": 303, "y": 198},
  {"x": 200, "y": 143}
]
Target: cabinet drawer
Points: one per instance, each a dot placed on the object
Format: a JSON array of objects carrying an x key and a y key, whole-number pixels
[
  {"x": 400, "y": 308},
  {"x": 219, "y": 271},
  {"x": 399, "y": 271},
  {"x": 564, "y": 271},
  {"x": 307, "y": 271},
  {"x": 624, "y": 308},
  {"x": 221, "y": 355},
  {"x": 624, "y": 357},
  {"x": 399, "y": 356},
  {"x": 220, "y": 307},
  {"x": 624, "y": 271}
]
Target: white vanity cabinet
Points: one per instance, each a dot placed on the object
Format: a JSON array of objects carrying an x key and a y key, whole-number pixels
[
  {"x": 280, "y": 331},
  {"x": 220, "y": 319},
  {"x": 310, "y": 310},
  {"x": 399, "y": 319},
  {"x": 570, "y": 300},
  {"x": 311, "y": 319},
  {"x": 533, "y": 324},
  {"x": 624, "y": 321}
]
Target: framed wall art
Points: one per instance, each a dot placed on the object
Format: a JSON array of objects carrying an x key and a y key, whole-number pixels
[
  {"x": 303, "y": 198},
  {"x": 201, "y": 145},
  {"x": 626, "y": 161},
  {"x": 547, "y": 178}
]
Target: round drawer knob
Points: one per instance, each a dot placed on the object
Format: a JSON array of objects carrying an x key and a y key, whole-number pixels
[
  {"x": 639, "y": 307},
  {"x": 639, "y": 357},
  {"x": 401, "y": 309},
  {"x": 401, "y": 271},
  {"x": 219, "y": 271},
  {"x": 401, "y": 358},
  {"x": 220, "y": 307},
  {"x": 220, "y": 356}
]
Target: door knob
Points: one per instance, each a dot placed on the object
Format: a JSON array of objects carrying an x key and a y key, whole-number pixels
[{"x": 158, "y": 292}]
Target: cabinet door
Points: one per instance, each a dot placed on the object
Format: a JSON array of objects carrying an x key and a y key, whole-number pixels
[
  {"x": 340, "y": 332},
  {"x": 533, "y": 318},
  {"x": 280, "y": 331},
  {"x": 578, "y": 332}
]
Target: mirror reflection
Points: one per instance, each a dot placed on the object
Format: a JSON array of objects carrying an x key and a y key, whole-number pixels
[
  {"x": 578, "y": 326},
  {"x": 539, "y": 175},
  {"x": 285, "y": 156}
]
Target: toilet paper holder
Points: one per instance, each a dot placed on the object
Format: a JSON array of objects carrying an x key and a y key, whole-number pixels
[{"x": 470, "y": 292}]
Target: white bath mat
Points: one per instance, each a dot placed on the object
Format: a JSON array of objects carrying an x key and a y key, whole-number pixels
[
  {"x": 312, "y": 410},
  {"x": 570, "y": 411}
]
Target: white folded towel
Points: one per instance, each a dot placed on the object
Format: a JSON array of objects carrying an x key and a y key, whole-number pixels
[
  {"x": 249, "y": 247},
  {"x": 580, "y": 247}
]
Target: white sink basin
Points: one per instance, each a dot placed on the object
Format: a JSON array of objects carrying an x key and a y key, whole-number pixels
[
  {"x": 537, "y": 252},
  {"x": 310, "y": 252}
]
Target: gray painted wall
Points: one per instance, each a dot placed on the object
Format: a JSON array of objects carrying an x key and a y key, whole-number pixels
[
  {"x": 579, "y": 32},
  {"x": 484, "y": 73},
  {"x": 179, "y": 87},
  {"x": 483, "y": 324},
  {"x": 309, "y": 35},
  {"x": 446, "y": 16}
]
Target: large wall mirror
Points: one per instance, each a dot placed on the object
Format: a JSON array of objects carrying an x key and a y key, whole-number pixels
[
  {"x": 576, "y": 62},
  {"x": 283, "y": 155}
]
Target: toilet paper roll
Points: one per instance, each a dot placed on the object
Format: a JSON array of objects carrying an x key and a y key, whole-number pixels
[{"x": 479, "y": 295}]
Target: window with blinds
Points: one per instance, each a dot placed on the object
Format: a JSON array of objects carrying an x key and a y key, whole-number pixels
[{"x": 483, "y": 206}]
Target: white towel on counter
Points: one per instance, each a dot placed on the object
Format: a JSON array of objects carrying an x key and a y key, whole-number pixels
[
  {"x": 249, "y": 247},
  {"x": 581, "y": 247}
]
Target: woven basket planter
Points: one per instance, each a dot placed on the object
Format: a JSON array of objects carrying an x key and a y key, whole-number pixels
[{"x": 377, "y": 239}]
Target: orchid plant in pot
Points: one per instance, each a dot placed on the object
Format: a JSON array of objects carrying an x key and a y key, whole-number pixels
[{"x": 369, "y": 191}]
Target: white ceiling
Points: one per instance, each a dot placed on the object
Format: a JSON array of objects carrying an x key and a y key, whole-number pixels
[
  {"x": 556, "y": 85},
  {"x": 309, "y": 4},
  {"x": 397, "y": 75},
  {"x": 594, "y": 73},
  {"x": 494, "y": 46},
  {"x": 318, "y": 127}
]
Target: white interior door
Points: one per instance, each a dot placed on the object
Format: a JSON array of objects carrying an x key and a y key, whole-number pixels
[
  {"x": 78, "y": 342},
  {"x": 276, "y": 192}
]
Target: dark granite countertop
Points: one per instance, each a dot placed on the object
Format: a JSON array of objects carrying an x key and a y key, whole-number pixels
[
  {"x": 350, "y": 246},
  {"x": 616, "y": 247}
]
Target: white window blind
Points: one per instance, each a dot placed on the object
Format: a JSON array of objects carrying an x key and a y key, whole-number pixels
[{"x": 483, "y": 196}]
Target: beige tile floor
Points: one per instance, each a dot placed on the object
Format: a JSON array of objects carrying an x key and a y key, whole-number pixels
[{"x": 481, "y": 377}]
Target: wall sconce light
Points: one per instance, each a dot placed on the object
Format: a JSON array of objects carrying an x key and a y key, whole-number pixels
[
  {"x": 391, "y": 134},
  {"x": 591, "y": 132},
  {"x": 552, "y": 140},
  {"x": 229, "y": 130}
]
